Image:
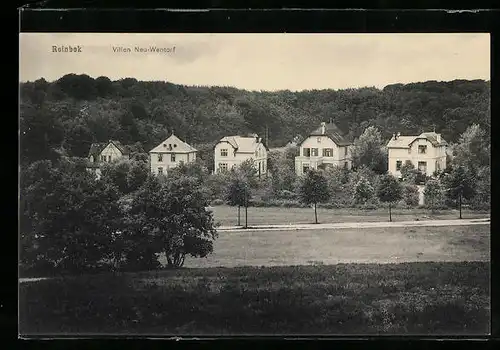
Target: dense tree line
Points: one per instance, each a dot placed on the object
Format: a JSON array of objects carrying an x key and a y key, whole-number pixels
[{"x": 67, "y": 115}]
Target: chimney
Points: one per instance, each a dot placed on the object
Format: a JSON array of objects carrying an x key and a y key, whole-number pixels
[
  {"x": 323, "y": 128},
  {"x": 394, "y": 136},
  {"x": 438, "y": 137},
  {"x": 398, "y": 134}
]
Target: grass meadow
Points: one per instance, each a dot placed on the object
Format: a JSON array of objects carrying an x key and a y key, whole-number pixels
[
  {"x": 228, "y": 216},
  {"x": 431, "y": 298},
  {"x": 332, "y": 246}
]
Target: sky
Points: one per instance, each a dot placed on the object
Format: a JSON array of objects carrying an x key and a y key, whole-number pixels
[{"x": 261, "y": 61}]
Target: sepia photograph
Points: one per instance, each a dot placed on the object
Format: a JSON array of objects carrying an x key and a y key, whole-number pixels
[{"x": 254, "y": 184}]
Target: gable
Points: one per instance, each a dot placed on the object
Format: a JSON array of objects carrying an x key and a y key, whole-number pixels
[
  {"x": 241, "y": 144},
  {"x": 173, "y": 144},
  {"x": 333, "y": 132}
]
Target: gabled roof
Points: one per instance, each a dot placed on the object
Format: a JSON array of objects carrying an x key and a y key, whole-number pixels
[
  {"x": 98, "y": 147},
  {"x": 243, "y": 144},
  {"x": 406, "y": 141},
  {"x": 401, "y": 142},
  {"x": 433, "y": 138},
  {"x": 121, "y": 147},
  {"x": 333, "y": 132},
  {"x": 173, "y": 144}
]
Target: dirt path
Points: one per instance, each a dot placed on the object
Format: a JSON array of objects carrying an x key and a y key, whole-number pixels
[{"x": 356, "y": 225}]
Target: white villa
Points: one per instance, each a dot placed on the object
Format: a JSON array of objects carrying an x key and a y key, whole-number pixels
[
  {"x": 231, "y": 151},
  {"x": 169, "y": 154},
  {"x": 106, "y": 152},
  {"x": 324, "y": 147},
  {"x": 426, "y": 151}
]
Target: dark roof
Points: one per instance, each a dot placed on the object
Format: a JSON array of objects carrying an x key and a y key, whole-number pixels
[
  {"x": 433, "y": 138},
  {"x": 97, "y": 148},
  {"x": 334, "y": 132}
]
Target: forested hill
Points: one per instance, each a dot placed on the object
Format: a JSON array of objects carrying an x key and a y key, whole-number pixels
[{"x": 76, "y": 110}]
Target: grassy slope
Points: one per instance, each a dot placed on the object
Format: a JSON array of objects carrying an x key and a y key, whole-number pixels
[
  {"x": 411, "y": 298},
  {"x": 228, "y": 216},
  {"x": 373, "y": 245}
]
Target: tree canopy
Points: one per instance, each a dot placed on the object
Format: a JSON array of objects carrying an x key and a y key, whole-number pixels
[{"x": 76, "y": 110}]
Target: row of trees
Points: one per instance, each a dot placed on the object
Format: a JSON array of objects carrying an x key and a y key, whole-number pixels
[{"x": 71, "y": 222}]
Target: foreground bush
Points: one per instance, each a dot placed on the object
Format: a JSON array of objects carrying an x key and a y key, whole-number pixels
[{"x": 410, "y": 298}]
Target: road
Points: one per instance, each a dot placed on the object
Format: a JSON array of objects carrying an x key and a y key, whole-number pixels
[{"x": 357, "y": 225}]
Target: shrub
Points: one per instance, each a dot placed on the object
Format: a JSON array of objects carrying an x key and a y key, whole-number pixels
[
  {"x": 410, "y": 195},
  {"x": 364, "y": 191},
  {"x": 217, "y": 201},
  {"x": 285, "y": 194},
  {"x": 434, "y": 195}
]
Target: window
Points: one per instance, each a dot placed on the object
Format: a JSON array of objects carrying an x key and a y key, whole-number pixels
[
  {"x": 172, "y": 157},
  {"x": 345, "y": 151},
  {"x": 422, "y": 149},
  {"x": 398, "y": 165},
  {"x": 409, "y": 150},
  {"x": 422, "y": 166},
  {"x": 327, "y": 152},
  {"x": 319, "y": 139},
  {"x": 188, "y": 157},
  {"x": 314, "y": 152},
  {"x": 223, "y": 152},
  {"x": 305, "y": 168},
  {"x": 103, "y": 158},
  {"x": 160, "y": 171},
  {"x": 222, "y": 166},
  {"x": 438, "y": 166},
  {"x": 160, "y": 157},
  {"x": 306, "y": 152},
  {"x": 92, "y": 160},
  {"x": 256, "y": 154},
  {"x": 346, "y": 165}
]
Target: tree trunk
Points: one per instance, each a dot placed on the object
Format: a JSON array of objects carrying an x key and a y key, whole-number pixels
[
  {"x": 390, "y": 214},
  {"x": 246, "y": 215},
  {"x": 315, "y": 214},
  {"x": 239, "y": 216},
  {"x": 460, "y": 204}
]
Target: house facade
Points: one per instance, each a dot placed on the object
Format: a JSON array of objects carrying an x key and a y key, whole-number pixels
[
  {"x": 231, "y": 151},
  {"x": 326, "y": 146},
  {"x": 426, "y": 151},
  {"x": 169, "y": 154},
  {"x": 107, "y": 152}
]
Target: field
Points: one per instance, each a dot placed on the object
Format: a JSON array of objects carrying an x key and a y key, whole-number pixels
[
  {"x": 374, "y": 245},
  {"x": 228, "y": 216},
  {"x": 412, "y": 298}
]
